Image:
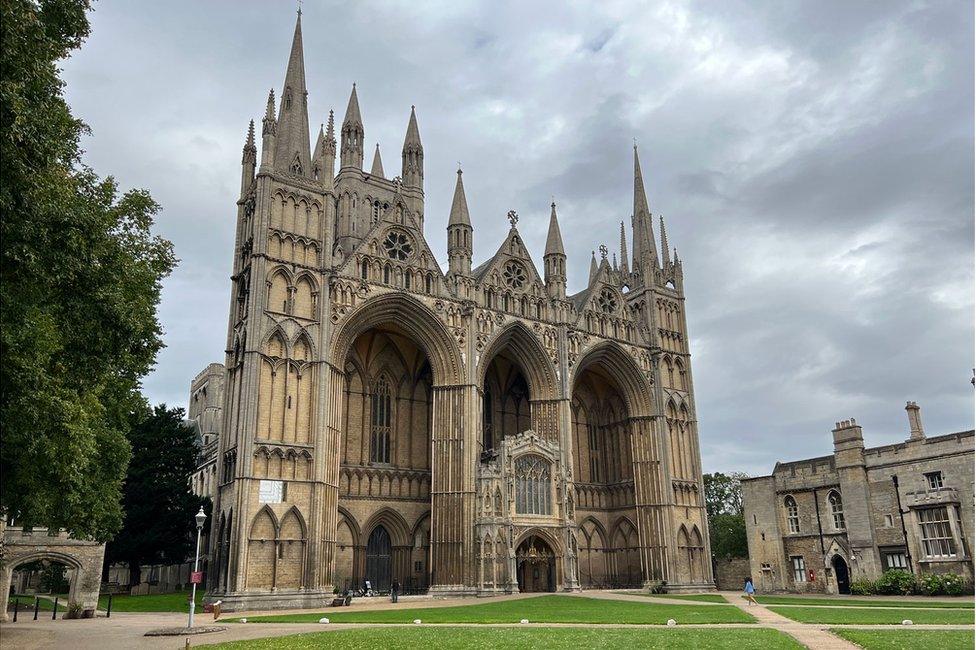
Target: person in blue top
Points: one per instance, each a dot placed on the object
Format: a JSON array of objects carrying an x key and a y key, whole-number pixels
[{"x": 750, "y": 592}]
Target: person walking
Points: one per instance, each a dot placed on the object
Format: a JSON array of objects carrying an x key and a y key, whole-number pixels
[
  {"x": 750, "y": 592},
  {"x": 395, "y": 591}
]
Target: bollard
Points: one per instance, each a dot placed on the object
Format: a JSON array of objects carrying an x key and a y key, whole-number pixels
[
  {"x": 54, "y": 615},
  {"x": 16, "y": 607},
  {"x": 109, "y": 613},
  {"x": 37, "y": 606}
]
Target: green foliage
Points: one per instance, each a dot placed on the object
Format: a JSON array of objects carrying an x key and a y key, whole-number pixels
[
  {"x": 80, "y": 278},
  {"x": 896, "y": 582},
  {"x": 863, "y": 587},
  {"x": 159, "y": 506},
  {"x": 728, "y": 534},
  {"x": 54, "y": 579},
  {"x": 723, "y": 493},
  {"x": 941, "y": 584}
]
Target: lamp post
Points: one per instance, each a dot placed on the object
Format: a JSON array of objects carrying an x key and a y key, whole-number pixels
[{"x": 200, "y": 517}]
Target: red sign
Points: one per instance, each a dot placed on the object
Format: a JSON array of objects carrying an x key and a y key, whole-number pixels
[
  {"x": 196, "y": 577},
  {"x": 812, "y": 575}
]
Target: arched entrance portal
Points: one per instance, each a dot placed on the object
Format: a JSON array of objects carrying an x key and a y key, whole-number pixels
[
  {"x": 379, "y": 559},
  {"x": 842, "y": 574},
  {"x": 536, "y": 565}
]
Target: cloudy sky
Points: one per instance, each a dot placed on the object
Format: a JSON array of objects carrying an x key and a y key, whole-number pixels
[{"x": 814, "y": 161}]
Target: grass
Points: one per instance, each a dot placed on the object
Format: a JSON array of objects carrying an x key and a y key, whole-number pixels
[
  {"x": 541, "y": 609},
  {"x": 503, "y": 638},
  {"x": 875, "y": 616},
  {"x": 909, "y": 639},
  {"x": 841, "y": 602},
  {"x": 175, "y": 602},
  {"x": 46, "y": 604},
  {"x": 700, "y": 598}
]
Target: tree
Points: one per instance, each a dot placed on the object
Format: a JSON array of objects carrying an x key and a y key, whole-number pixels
[
  {"x": 80, "y": 280},
  {"x": 726, "y": 524},
  {"x": 159, "y": 507}
]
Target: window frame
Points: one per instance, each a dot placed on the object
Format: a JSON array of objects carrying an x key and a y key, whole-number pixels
[
  {"x": 936, "y": 535},
  {"x": 799, "y": 566},
  {"x": 792, "y": 514},
  {"x": 836, "y": 503},
  {"x": 935, "y": 480}
]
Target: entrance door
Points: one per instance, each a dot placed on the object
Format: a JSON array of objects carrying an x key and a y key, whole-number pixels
[
  {"x": 536, "y": 566},
  {"x": 843, "y": 577},
  {"x": 379, "y": 559}
]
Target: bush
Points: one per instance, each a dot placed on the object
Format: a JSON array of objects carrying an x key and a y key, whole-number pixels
[
  {"x": 941, "y": 584},
  {"x": 863, "y": 587},
  {"x": 896, "y": 582}
]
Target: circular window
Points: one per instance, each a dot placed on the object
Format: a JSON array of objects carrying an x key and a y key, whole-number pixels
[
  {"x": 608, "y": 301},
  {"x": 514, "y": 274},
  {"x": 397, "y": 246}
]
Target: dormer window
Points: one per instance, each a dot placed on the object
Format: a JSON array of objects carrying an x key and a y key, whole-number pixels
[{"x": 935, "y": 480}]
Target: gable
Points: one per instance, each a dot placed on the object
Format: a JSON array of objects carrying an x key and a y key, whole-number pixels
[{"x": 511, "y": 269}]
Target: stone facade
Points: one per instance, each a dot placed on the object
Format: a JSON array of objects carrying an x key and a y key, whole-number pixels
[
  {"x": 468, "y": 432},
  {"x": 82, "y": 558},
  {"x": 816, "y": 524},
  {"x": 205, "y": 415}
]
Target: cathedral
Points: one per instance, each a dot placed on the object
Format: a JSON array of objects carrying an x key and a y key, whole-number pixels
[{"x": 470, "y": 432}]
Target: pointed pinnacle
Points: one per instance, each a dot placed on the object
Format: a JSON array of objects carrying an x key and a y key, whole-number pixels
[
  {"x": 269, "y": 113},
  {"x": 250, "y": 134},
  {"x": 554, "y": 240},
  {"x": 665, "y": 251},
  {"x": 353, "y": 116},
  {"x": 413, "y": 131},
  {"x": 377, "y": 168},
  {"x": 331, "y": 131},
  {"x": 459, "y": 206}
]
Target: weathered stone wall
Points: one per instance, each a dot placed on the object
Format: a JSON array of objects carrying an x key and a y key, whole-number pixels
[{"x": 731, "y": 572}]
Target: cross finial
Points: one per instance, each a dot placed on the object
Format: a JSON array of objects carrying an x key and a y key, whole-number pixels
[
  {"x": 603, "y": 251},
  {"x": 299, "y": 7},
  {"x": 512, "y": 217}
]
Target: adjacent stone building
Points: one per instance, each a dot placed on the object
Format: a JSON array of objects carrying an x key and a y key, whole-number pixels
[
  {"x": 464, "y": 432},
  {"x": 205, "y": 416},
  {"x": 816, "y": 524}
]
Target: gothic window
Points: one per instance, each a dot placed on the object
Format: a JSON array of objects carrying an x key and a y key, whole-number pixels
[
  {"x": 533, "y": 491},
  {"x": 486, "y": 419},
  {"x": 386, "y": 274},
  {"x": 397, "y": 246},
  {"x": 428, "y": 282},
  {"x": 287, "y": 98},
  {"x": 296, "y": 166},
  {"x": 837, "y": 510},
  {"x": 607, "y": 301},
  {"x": 407, "y": 279},
  {"x": 382, "y": 416},
  {"x": 514, "y": 274},
  {"x": 792, "y": 514},
  {"x": 376, "y": 211},
  {"x": 365, "y": 270}
]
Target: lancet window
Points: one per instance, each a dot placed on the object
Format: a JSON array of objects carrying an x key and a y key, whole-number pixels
[{"x": 533, "y": 489}]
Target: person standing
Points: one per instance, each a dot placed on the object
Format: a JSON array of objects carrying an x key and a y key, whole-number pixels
[
  {"x": 395, "y": 591},
  {"x": 750, "y": 592}
]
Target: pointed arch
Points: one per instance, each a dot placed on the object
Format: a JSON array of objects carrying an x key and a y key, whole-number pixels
[
  {"x": 278, "y": 290},
  {"x": 416, "y": 320},
  {"x": 305, "y": 296},
  {"x": 393, "y": 522},
  {"x": 529, "y": 354},
  {"x": 616, "y": 361}
]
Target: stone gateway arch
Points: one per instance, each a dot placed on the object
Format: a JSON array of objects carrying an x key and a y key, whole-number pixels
[{"x": 469, "y": 432}]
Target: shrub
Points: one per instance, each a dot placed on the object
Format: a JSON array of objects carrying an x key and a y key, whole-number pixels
[
  {"x": 896, "y": 582},
  {"x": 941, "y": 584},
  {"x": 863, "y": 587}
]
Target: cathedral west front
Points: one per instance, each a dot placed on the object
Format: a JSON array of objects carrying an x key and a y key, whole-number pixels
[{"x": 468, "y": 432}]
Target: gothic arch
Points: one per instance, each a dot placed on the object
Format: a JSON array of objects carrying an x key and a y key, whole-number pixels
[
  {"x": 620, "y": 365},
  {"x": 417, "y": 321},
  {"x": 598, "y": 528},
  {"x": 531, "y": 356},
  {"x": 543, "y": 533},
  {"x": 393, "y": 522},
  {"x": 351, "y": 523}
]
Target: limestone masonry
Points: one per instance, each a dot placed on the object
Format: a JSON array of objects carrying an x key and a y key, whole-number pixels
[{"x": 470, "y": 432}]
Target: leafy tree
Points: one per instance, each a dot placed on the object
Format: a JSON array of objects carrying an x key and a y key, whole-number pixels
[
  {"x": 726, "y": 524},
  {"x": 80, "y": 279},
  {"x": 159, "y": 507}
]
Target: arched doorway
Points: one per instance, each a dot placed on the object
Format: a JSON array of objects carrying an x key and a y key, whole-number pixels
[
  {"x": 379, "y": 559},
  {"x": 535, "y": 565},
  {"x": 842, "y": 574}
]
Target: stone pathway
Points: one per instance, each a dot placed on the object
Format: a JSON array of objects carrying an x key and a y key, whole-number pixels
[{"x": 811, "y": 636}]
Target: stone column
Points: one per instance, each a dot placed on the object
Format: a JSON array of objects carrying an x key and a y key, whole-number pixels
[{"x": 651, "y": 502}]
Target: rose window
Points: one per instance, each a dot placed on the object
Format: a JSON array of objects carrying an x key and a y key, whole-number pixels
[
  {"x": 397, "y": 246},
  {"x": 607, "y": 301},
  {"x": 514, "y": 275}
]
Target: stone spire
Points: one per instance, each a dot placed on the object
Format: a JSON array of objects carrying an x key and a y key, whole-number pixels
[
  {"x": 413, "y": 154},
  {"x": 323, "y": 158},
  {"x": 665, "y": 251},
  {"x": 377, "y": 168},
  {"x": 269, "y": 129},
  {"x": 460, "y": 240},
  {"x": 624, "y": 266},
  {"x": 351, "y": 154},
  {"x": 554, "y": 258},
  {"x": 291, "y": 147},
  {"x": 594, "y": 269},
  {"x": 643, "y": 232},
  {"x": 249, "y": 159}
]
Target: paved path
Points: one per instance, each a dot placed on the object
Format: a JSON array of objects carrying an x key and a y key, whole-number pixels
[{"x": 126, "y": 630}]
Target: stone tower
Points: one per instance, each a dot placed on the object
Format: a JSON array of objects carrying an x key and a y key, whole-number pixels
[{"x": 477, "y": 431}]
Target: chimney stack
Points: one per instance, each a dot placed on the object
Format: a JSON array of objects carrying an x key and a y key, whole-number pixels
[{"x": 915, "y": 421}]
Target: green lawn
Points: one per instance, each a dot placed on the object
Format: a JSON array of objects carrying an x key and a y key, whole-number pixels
[
  {"x": 541, "y": 609},
  {"x": 875, "y": 616},
  {"x": 506, "y": 637},
  {"x": 841, "y": 602},
  {"x": 909, "y": 639},
  {"x": 46, "y": 604},
  {"x": 176, "y": 602},
  {"x": 700, "y": 598}
]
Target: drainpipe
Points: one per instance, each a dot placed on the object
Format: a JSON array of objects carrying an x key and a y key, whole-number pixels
[
  {"x": 816, "y": 504},
  {"x": 904, "y": 531}
]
